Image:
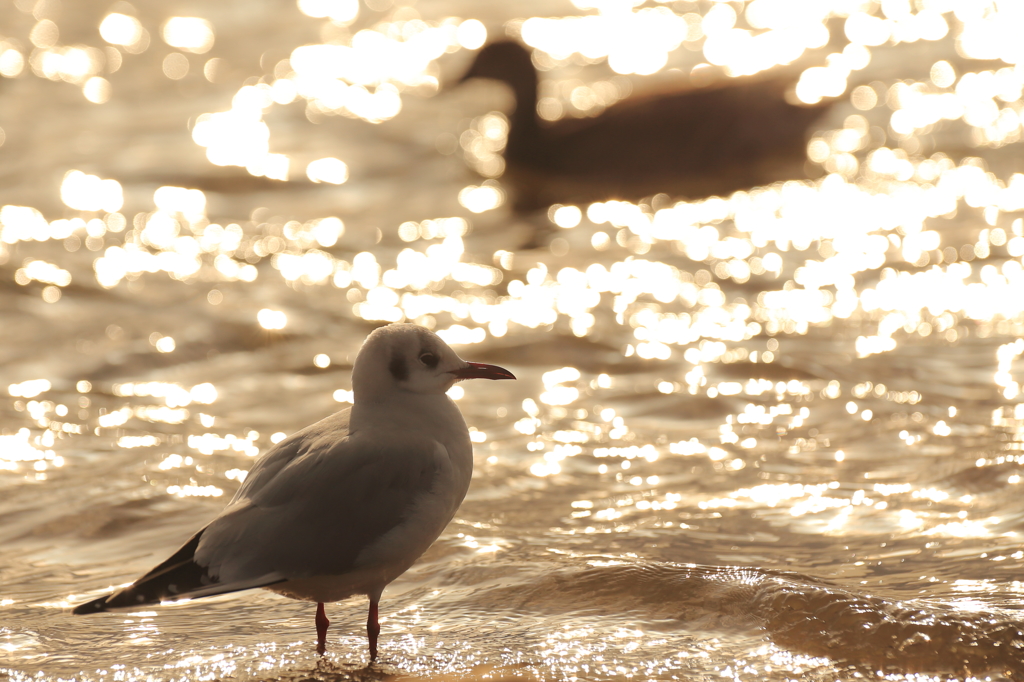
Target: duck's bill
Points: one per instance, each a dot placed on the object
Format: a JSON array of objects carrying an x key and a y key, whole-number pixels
[{"x": 478, "y": 370}]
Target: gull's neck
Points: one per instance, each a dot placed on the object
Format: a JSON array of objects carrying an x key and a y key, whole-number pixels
[{"x": 435, "y": 415}]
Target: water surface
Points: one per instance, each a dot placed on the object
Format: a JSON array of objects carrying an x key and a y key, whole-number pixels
[{"x": 768, "y": 436}]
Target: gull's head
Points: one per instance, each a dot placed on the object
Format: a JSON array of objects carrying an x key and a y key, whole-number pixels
[{"x": 407, "y": 357}]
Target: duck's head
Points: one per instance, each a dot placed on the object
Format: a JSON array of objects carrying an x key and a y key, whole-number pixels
[{"x": 506, "y": 61}]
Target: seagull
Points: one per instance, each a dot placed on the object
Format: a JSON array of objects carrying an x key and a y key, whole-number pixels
[
  {"x": 345, "y": 506},
  {"x": 694, "y": 143}
]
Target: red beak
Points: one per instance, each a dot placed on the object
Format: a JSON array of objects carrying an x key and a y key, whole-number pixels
[{"x": 478, "y": 370}]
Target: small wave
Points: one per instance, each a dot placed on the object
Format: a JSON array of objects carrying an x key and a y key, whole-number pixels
[{"x": 800, "y": 613}]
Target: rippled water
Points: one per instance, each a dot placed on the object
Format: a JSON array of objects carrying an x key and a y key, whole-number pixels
[{"x": 774, "y": 435}]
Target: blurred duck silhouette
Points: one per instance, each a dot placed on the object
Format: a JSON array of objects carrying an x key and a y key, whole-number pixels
[{"x": 692, "y": 144}]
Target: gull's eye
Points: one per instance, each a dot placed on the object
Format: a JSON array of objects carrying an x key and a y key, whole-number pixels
[{"x": 429, "y": 359}]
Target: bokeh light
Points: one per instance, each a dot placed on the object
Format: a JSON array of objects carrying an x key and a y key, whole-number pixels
[{"x": 828, "y": 361}]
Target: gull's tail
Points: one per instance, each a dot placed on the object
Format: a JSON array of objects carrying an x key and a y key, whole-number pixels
[{"x": 179, "y": 577}]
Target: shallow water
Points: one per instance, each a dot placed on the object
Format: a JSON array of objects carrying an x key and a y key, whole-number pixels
[{"x": 769, "y": 436}]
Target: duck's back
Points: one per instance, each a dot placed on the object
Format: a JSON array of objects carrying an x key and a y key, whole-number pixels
[{"x": 678, "y": 136}]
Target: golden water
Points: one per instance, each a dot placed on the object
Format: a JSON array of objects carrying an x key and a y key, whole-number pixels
[{"x": 769, "y": 436}]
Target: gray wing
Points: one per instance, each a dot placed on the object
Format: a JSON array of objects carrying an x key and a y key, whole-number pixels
[
  {"x": 309, "y": 506},
  {"x": 316, "y": 503},
  {"x": 270, "y": 463}
]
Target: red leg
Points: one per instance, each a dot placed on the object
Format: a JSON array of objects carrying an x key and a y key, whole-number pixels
[
  {"x": 321, "y": 629},
  {"x": 372, "y": 628}
]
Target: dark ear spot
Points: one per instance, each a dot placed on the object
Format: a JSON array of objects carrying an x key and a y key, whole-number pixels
[{"x": 398, "y": 368}]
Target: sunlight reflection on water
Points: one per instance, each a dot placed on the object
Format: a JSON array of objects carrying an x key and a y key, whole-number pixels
[{"x": 818, "y": 376}]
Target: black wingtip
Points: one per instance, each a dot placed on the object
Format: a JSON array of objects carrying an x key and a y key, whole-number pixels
[
  {"x": 157, "y": 585},
  {"x": 94, "y": 606}
]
